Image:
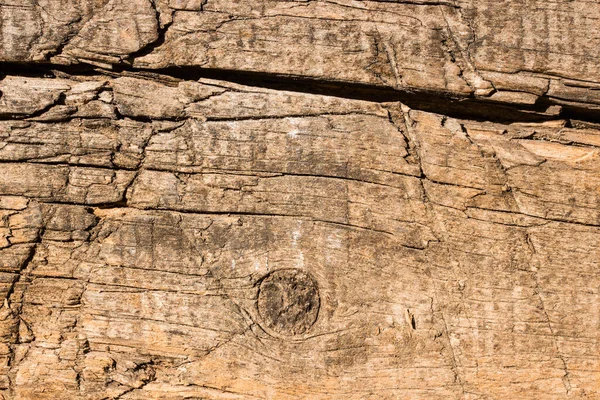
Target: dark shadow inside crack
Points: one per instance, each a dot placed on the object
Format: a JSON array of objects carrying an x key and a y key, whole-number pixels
[{"x": 444, "y": 103}]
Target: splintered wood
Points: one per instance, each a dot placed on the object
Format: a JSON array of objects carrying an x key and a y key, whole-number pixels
[{"x": 164, "y": 237}]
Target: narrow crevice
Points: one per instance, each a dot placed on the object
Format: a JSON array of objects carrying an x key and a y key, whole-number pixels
[
  {"x": 150, "y": 47},
  {"x": 439, "y": 102}
]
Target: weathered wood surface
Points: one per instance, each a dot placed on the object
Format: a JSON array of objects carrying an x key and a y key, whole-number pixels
[
  {"x": 284, "y": 229},
  {"x": 506, "y": 51},
  {"x": 150, "y": 229}
]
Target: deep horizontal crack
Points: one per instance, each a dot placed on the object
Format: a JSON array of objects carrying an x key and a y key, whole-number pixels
[{"x": 439, "y": 102}]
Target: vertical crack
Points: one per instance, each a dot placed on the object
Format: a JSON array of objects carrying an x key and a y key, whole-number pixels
[
  {"x": 566, "y": 379},
  {"x": 160, "y": 40}
]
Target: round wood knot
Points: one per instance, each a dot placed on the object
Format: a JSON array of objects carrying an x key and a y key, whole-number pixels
[{"x": 288, "y": 301}]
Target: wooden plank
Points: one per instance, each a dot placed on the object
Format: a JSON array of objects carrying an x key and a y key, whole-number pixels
[
  {"x": 516, "y": 52},
  {"x": 223, "y": 241}
]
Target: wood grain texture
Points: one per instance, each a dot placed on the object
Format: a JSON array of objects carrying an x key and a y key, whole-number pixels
[
  {"x": 147, "y": 224},
  {"x": 503, "y": 51},
  {"x": 299, "y": 199}
]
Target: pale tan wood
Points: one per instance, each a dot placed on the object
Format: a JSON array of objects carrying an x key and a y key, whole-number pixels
[
  {"x": 514, "y": 52},
  {"x": 447, "y": 258}
]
